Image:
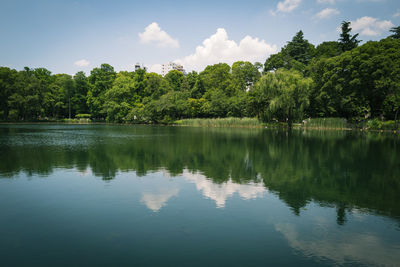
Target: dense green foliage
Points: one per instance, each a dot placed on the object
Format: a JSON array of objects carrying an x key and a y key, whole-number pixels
[
  {"x": 333, "y": 79},
  {"x": 282, "y": 95}
]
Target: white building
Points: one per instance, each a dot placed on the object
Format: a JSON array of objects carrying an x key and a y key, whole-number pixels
[
  {"x": 139, "y": 66},
  {"x": 165, "y": 68}
]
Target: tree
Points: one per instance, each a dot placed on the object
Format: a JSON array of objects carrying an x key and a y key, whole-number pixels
[
  {"x": 119, "y": 99},
  {"x": 81, "y": 89},
  {"x": 277, "y": 61},
  {"x": 140, "y": 81},
  {"x": 328, "y": 49},
  {"x": 300, "y": 49},
  {"x": 396, "y": 32},
  {"x": 347, "y": 42},
  {"x": 295, "y": 55},
  {"x": 156, "y": 86},
  {"x": 7, "y": 86},
  {"x": 67, "y": 86},
  {"x": 101, "y": 79},
  {"x": 360, "y": 82},
  {"x": 284, "y": 95},
  {"x": 174, "y": 79},
  {"x": 189, "y": 81},
  {"x": 259, "y": 66},
  {"x": 216, "y": 76},
  {"x": 244, "y": 75}
]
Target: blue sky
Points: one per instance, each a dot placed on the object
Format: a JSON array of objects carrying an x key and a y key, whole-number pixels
[{"x": 68, "y": 36}]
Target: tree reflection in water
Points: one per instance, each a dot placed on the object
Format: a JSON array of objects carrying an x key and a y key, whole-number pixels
[{"x": 345, "y": 170}]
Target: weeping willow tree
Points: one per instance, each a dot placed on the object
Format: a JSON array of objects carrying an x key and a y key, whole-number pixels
[{"x": 285, "y": 94}]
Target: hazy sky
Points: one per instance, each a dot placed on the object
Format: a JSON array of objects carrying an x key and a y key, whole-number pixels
[{"x": 68, "y": 36}]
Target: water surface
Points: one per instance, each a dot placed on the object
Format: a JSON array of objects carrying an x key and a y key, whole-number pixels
[{"x": 179, "y": 196}]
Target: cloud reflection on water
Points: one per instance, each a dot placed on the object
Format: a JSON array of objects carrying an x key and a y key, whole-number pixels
[
  {"x": 158, "y": 197},
  {"x": 156, "y": 200},
  {"x": 342, "y": 247},
  {"x": 221, "y": 192}
]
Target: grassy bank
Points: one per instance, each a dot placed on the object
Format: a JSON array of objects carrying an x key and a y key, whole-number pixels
[
  {"x": 317, "y": 123},
  {"x": 308, "y": 124},
  {"x": 325, "y": 123},
  {"x": 221, "y": 122}
]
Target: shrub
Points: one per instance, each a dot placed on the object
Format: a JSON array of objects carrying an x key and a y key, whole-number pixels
[{"x": 82, "y": 116}]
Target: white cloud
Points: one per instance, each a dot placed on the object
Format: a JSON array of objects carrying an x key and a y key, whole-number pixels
[
  {"x": 287, "y": 6},
  {"x": 326, "y": 2},
  {"x": 326, "y": 13},
  {"x": 82, "y": 63},
  {"x": 218, "y": 48},
  {"x": 154, "y": 34},
  {"x": 371, "y": 26}
]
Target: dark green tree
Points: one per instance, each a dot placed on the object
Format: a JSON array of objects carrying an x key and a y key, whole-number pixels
[
  {"x": 8, "y": 79},
  {"x": 396, "y": 32},
  {"x": 174, "y": 79},
  {"x": 101, "y": 79},
  {"x": 120, "y": 98},
  {"x": 81, "y": 89},
  {"x": 295, "y": 55},
  {"x": 346, "y": 40},
  {"x": 140, "y": 81},
  {"x": 328, "y": 49},
  {"x": 300, "y": 49}
]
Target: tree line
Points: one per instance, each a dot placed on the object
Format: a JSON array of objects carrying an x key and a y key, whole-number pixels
[{"x": 334, "y": 79}]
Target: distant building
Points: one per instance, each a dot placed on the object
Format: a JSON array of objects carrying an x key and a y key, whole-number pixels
[
  {"x": 139, "y": 66},
  {"x": 165, "y": 68}
]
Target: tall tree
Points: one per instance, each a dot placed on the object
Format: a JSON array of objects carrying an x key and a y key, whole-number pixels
[
  {"x": 7, "y": 86},
  {"x": 81, "y": 89},
  {"x": 295, "y": 55},
  {"x": 396, "y": 32},
  {"x": 140, "y": 81},
  {"x": 67, "y": 86},
  {"x": 346, "y": 40},
  {"x": 101, "y": 79},
  {"x": 119, "y": 99},
  {"x": 300, "y": 49}
]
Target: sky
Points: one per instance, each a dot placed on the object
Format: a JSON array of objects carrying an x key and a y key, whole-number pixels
[{"x": 67, "y": 36}]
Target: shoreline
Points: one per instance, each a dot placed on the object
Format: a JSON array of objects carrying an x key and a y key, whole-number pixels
[{"x": 281, "y": 126}]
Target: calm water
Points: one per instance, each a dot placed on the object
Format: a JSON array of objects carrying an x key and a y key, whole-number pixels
[{"x": 165, "y": 196}]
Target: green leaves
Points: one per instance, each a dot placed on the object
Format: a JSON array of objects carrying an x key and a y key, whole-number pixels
[
  {"x": 282, "y": 95},
  {"x": 358, "y": 82}
]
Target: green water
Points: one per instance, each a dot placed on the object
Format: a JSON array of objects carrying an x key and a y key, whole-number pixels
[{"x": 80, "y": 195}]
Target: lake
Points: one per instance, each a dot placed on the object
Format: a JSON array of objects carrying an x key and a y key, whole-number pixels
[{"x": 79, "y": 195}]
